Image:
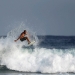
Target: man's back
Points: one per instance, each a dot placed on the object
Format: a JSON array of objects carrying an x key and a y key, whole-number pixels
[{"x": 22, "y": 35}]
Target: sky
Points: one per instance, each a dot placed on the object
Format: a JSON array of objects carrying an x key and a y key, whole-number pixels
[{"x": 44, "y": 17}]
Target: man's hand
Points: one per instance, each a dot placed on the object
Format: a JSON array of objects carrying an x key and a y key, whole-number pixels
[{"x": 15, "y": 40}]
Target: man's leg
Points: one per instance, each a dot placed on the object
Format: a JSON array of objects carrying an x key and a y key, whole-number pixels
[{"x": 28, "y": 40}]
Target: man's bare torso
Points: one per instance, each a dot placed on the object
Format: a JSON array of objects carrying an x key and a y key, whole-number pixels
[{"x": 22, "y": 35}]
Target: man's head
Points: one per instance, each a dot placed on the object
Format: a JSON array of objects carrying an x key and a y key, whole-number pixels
[{"x": 25, "y": 31}]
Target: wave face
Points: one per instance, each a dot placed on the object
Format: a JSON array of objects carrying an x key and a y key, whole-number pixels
[
  {"x": 58, "y": 42},
  {"x": 51, "y": 54}
]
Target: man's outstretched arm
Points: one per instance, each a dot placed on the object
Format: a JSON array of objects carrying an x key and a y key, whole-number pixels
[{"x": 17, "y": 38}]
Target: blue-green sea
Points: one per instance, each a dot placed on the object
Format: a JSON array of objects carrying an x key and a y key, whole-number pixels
[{"x": 50, "y": 55}]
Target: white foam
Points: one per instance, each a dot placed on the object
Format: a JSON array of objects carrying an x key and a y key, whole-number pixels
[
  {"x": 14, "y": 57},
  {"x": 39, "y": 60}
]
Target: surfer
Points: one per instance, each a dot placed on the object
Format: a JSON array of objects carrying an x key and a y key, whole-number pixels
[{"x": 22, "y": 37}]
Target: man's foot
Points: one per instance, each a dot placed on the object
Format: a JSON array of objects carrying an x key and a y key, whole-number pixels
[{"x": 29, "y": 42}]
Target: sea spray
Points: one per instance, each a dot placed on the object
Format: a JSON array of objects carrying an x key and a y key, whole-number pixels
[
  {"x": 39, "y": 60},
  {"x": 50, "y": 56}
]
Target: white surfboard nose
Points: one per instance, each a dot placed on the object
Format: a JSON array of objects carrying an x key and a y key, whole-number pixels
[{"x": 32, "y": 43}]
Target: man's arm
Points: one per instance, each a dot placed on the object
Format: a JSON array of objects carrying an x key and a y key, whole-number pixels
[{"x": 17, "y": 38}]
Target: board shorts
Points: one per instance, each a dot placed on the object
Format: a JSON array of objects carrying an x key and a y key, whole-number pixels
[{"x": 22, "y": 39}]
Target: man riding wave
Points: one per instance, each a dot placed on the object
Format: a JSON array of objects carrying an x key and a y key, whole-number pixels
[{"x": 23, "y": 37}]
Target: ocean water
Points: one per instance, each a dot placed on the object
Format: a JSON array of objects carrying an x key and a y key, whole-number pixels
[{"x": 50, "y": 55}]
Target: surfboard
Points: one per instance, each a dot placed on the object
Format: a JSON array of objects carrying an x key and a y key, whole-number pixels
[
  {"x": 31, "y": 43},
  {"x": 29, "y": 46}
]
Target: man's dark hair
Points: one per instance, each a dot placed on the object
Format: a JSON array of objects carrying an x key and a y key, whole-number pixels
[{"x": 24, "y": 31}]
